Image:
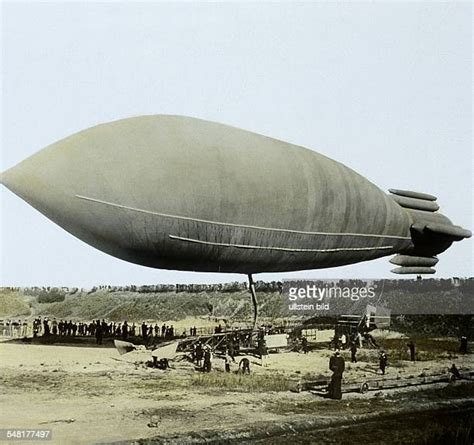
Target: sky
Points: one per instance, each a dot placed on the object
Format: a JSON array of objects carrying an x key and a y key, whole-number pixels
[{"x": 385, "y": 88}]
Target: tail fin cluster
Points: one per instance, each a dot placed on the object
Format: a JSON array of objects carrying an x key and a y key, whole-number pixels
[
  {"x": 414, "y": 264},
  {"x": 432, "y": 233}
]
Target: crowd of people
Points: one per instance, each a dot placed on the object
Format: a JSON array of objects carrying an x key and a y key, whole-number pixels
[
  {"x": 202, "y": 355},
  {"x": 145, "y": 331},
  {"x": 14, "y": 328},
  {"x": 96, "y": 328}
]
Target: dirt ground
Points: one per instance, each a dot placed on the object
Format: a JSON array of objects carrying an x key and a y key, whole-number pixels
[{"x": 94, "y": 395}]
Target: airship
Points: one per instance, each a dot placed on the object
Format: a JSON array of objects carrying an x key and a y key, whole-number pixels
[{"x": 174, "y": 192}]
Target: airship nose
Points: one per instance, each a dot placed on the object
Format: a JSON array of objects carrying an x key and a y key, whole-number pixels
[
  {"x": 45, "y": 181},
  {"x": 16, "y": 179},
  {"x": 25, "y": 180},
  {"x": 56, "y": 179}
]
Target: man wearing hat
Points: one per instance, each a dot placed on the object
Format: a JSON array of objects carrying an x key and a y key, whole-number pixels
[
  {"x": 337, "y": 366},
  {"x": 383, "y": 359},
  {"x": 207, "y": 358}
]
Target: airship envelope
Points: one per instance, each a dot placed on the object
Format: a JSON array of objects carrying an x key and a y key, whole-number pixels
[{"x": 181, "y": 193}]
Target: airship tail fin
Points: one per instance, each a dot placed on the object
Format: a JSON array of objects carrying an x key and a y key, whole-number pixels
[
  {"x": 413, "y": 270},
  {"x": 410, "y": 264},
  {"x": 414, "y": 200},
  {"x": 431, "y": 232}
]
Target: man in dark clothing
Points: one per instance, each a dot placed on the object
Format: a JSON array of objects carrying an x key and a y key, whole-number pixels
[
  {"x": 231, "y": 349},
  {"x": 463, "y": 346},
  {"x": 337, "y": 366},
  {"x": 456, "y": 375},
  {"x": 98, "y": 333},
  {"x": 46, "y": 331},
  {"x": 411, "y": 347},
  {"x": 144, "y": 330},
  {"x": 353, "y": 352},
  {"x": 125, "y": 330},
  {"x": 263, "y": 351},
  {"x": 304, "y": 345},
  {"x": 207, "y": 359},
  {"x": 244, "y": 365},
  {"x": 161, "y": 364},
  {"x": 336, "y": 342},
  {"x": 199, "y": 354},
  {"x": 383, "y": 359}
]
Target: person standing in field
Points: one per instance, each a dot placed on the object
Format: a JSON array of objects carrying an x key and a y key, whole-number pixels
[
  {"x": 411, "y": 347},
  {"x": 227, "y": 360},
  {"x": 337, "y": 365},
  {"x": 263, "y": 351},
  {"x": 144, "y": 331},
  {"x": 304, "y": 345},
  {"x": 98, "y": 333},
  {"x": 383, "y": 359},
  {"x": 463, "y": 345},
  {"x": 207, "y": 359},
  {"x": 353, "y": 352},
  {"x": 24, "y": 332},
  {"x": 199, "y": 354},
  {"x": 125, "y": 330}
]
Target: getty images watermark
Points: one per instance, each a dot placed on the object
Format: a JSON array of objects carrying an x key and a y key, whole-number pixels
[
  {"x": 452, "y": 296},
  {"x": 326, "y": 297}
]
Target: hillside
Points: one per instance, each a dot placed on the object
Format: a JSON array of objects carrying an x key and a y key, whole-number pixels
[
  {"x": 122, "y": 305},
  {"x": 231, "y": 301},
  {"x": 13, "y": 304}
]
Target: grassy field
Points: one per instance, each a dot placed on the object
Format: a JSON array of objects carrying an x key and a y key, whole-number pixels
[
  {"x": 243, "y": 383},
  {"x": 426, "y": 348}
]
